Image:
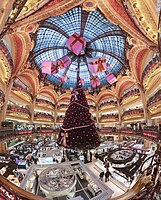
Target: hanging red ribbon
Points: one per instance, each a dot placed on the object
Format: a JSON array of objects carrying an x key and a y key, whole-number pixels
[
  {"x": 100, "y": 67},
  {"x": 63, "y": 139},
  {"x": 95, "y": 81},
  {"x": 61, "y": 64},
  {"x": 54, "y": 68}
]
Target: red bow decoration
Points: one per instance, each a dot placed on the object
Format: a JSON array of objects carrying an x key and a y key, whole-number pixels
[
  {"x": 63, "y": 139},
  {"x": 54, "y": 68},
  {"x": 100, "y": 65},
  {"x": 95, "y": 81},
  {"x": 77, "y": 38}
]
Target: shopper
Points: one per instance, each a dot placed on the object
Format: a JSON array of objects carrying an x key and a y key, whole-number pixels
[
  {"x": 96, "y": 155},
  {"x": 90, "y": 153},
  {"x": 106, "y": 164},
  {"x": 107, "y": 174},
  {"x": 63, "y": 159},
  {"x": 85, "y": 156},
  {"x": 36, "y": 181},
  {"x": 101, "y": 175}
]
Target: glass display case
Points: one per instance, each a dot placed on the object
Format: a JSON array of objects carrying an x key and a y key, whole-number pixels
[
  {"x": 68, "y": 180},
  {"x": 49, "y": 156},
  {"x": 57, "y": 181},
  {"x": 120, "y": 180},
  {"x": 93, "y": 188},
  {"x": 78, "y": 170},
  {"x": 3, "y": 159},
  {"x": 30, "y": 184},
  {"x": 22, "y": 164}
]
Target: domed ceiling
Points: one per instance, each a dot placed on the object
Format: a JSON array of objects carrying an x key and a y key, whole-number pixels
[{"x": 104, "y": 40}]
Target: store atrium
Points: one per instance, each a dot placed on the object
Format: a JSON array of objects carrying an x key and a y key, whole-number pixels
[{"x": 80, "y": 100}]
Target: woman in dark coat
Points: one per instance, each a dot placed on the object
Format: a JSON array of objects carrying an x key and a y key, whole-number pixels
[
  {"x": 107, "y": 174},
  {"x": 101, "y": 175}
]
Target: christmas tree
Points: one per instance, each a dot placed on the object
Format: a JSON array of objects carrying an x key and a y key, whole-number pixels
[{"x": 78, "y": 130}]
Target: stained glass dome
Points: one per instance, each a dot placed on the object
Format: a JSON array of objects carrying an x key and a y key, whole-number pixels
[{"x": 103, "y": 38}]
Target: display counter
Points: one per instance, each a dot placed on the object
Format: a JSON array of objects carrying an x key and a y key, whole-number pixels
[
  {"x": 126, "y": 164},
  {"x": 120, "y": 181},
  {"x": 57, "y": 181},
  {"x": 49, "y": 156},
  {"x": 121, "y": 156},
  {"x": 30, "y": 186},
  {"x": 13, "y": 144},
  {"x": 106, "y": 146},
  {"x": 3, "y": 159},
  {"x": 80, "y": 172},
  {"x": 139, "y": 148},
  {"x": 45, "y": 161},
  {"x": 13, "y": 179},
  {"x": 93, "y": 188},
  {"x": 22, "y": 164}
]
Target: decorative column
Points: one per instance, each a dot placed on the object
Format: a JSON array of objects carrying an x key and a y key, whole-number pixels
[
  {"x": 97, "y": 115},
  {"x": 119, "y": 112},
  {"x": 7, "y": 96},
  {"x": 144, "y": 102},
  {"x": 32, "y": 108},
  {"x": 55, "y": 113},
  {"x": 3, "y": 148},
  {"x": 4, "y": 13}
]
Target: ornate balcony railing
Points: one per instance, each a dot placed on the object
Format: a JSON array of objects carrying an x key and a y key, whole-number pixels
[
  {"x": 133, "y": 113},
  {"x": 18, "y": 109},
  {"x": 44, "y": 101}
]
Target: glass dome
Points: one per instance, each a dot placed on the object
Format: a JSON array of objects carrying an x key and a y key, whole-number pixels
[{"x": 103, "y": 38}]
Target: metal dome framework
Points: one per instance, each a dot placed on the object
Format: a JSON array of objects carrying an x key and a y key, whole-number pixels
[{"x": 104, "y": 39}]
